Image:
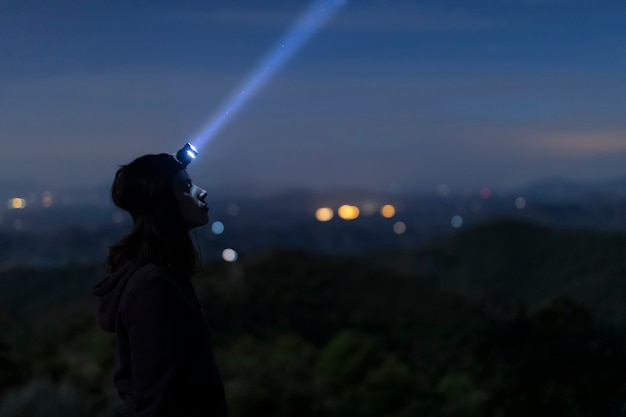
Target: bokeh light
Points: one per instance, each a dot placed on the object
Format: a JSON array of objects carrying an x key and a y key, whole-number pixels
[
  {"x": 348, "y": 212},
  {"x": 456, "y": 221},
  {"x": 217, "y": 227},
  {"x": 399, "y": 228},
  {"x": 229, "y": 255},
  {"x": 368, "y": 209},
  {"x": 16, "y": 203},
  {"x": 387, "y": 211},
  {"x": 520, "y": 202},
  {"x": 46, "y": 199},
  {"x": 324, "y": 214},
  {"x": 485, "y": 193}
]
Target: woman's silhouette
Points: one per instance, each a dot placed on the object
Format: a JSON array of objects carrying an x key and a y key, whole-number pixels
[{"x": 164, "y": 363}]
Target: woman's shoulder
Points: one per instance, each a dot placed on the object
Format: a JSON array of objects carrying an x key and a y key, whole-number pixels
[
  {"x": 152, "y": 287},
  {"x": 149, "y": 270},
  {"x": 149, "y": 275}
]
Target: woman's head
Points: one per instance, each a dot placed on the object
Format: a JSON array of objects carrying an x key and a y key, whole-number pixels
[
  {"x": 164, "y": 204},
  {"x": 158, "y": 188},
  {"x": 144, "y": 187}
]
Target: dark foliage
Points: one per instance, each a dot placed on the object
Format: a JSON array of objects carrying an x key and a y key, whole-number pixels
[{"x": 402, "y": 334}]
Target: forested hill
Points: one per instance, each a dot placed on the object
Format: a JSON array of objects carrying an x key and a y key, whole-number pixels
[
  {"x": 508, "y": 265},
  {"x": 498, "y": 267},
  {"x": 438, "y": 330}
]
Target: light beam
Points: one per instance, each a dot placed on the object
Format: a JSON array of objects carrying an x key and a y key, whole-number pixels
[{"x": 308, "y": 23}]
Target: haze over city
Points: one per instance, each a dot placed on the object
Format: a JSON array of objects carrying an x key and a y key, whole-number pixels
[{"x": 385, "y": 95}]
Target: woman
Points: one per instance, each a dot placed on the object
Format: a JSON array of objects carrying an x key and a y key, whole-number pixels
[{"x": 164, "y": 364}]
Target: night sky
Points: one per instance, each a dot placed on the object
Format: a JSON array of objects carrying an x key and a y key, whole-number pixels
[{"x": 387, "y": 95}]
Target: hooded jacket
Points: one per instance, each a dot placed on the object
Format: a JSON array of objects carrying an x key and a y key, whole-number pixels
[{"x": 164, "y": 363}]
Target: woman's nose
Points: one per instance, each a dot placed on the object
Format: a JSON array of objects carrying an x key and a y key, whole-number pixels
[{"x": 202, "y": 195}]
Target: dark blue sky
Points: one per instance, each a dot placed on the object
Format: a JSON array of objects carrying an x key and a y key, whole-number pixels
[{"x": 387, "y": 94}]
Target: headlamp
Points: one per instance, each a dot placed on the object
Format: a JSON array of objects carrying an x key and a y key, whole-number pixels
[{"x": 186, "y": 154}]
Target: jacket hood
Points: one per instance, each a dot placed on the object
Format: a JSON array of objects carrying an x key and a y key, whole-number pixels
[{"x": 110, "y": 291}]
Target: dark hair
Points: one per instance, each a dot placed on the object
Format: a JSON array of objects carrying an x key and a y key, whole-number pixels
[{"x": 144, "y": 189}]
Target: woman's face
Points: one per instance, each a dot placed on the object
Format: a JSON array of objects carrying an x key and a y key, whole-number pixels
[{"x": 190, "y": 200}]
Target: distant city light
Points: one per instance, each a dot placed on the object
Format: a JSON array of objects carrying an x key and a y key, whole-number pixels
[
  {"x": 46, "y": 199},
  {"x": 368, "y": 209},
  {"x": 348, "y": 212},
  {"x": 232, "y": 209},
  {"x": 485, "y": 193},
  {"x": 217, "y": 228},
  {"x": 324, "y": 214},
  {"x": 399, "y": 228},
  {"x": 16, "y": 203},
  {"x": 456, "y": 221},
  {"x": 520, "y": 202},
  {"x": 229, "y": 255},
  {"x": 387, "y": 211}
]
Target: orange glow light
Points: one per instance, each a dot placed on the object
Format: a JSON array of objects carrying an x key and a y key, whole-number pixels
[
  {"x": 388, "y": 211},
  {"x": 17, "y": 203},
  {"x": 324, "y": 214},
  {"x": 348, "y": 212}
]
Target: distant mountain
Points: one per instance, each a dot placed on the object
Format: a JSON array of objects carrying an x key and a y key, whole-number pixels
[
  {"x": 545, "y": 190},
  {"x": 563, "y": 190},
  {"x": 65, "y": 234}
]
